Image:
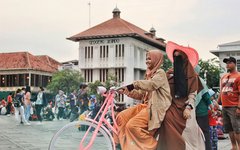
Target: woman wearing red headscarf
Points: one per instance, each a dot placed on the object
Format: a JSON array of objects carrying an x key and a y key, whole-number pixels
[
  {"x": 138, "y": 124},
  {"x": 179, "y": 130}
]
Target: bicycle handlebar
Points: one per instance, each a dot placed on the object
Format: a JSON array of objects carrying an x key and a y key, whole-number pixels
[{"x": 102, "y": 90}]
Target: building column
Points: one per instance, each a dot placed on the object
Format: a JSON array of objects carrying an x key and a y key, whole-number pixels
[
  {"x": 24, "y": 79},
  {"x": 41, "y": 80},
  {"x": 29, "y": 79}
]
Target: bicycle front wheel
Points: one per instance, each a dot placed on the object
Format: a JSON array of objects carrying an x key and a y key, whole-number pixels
[{"x": 70, "y": 136}]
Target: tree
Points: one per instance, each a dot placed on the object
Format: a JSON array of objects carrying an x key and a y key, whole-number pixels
[
  {"x": 65, "y": 80},
  {"x": 110, "y": 82},
  {"x": 167, "y": 64},
  {"x": 210, "y": 71}
]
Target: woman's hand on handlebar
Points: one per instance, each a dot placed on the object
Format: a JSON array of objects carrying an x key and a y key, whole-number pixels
[{"x": 123, "y": 90}]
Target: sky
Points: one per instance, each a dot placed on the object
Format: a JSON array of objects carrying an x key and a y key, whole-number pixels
[{"x": 41, "y": 27}]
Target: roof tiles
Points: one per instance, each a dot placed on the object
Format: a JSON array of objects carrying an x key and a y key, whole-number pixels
[
  {"x": 116, "y": 27},
  {"x": 25, "y": 60}
]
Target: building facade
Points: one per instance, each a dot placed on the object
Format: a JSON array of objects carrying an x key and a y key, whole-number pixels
[
  {"x": 22, "y": 68},
  {"x": 226, "y": 50},
  {"x": 71, "y": 65},
  {"x": 117, "y": 48}
]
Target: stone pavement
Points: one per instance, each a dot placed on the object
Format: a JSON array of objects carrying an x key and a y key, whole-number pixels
[
  {"x": 34, "y": 137},
  {"x": 37, "y": 137}
]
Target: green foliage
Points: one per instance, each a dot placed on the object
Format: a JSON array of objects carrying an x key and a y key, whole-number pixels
[
  {"x": 65, "y": 80},
  {"x": 93, "y": 87},
  {"x": 167, "y": 64},
  {"x": 210, "y": 71},
  {"x": 110, "y": 82}
]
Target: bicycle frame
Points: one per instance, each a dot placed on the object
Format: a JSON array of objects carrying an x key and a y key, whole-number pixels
[{"x": 109, "y": 101}]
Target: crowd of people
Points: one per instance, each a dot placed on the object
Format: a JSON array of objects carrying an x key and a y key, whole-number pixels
[{"x": 26, "y": 109}]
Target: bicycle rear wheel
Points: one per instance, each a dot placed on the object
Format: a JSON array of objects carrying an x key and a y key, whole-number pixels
[{"x": 70, "y": 136}]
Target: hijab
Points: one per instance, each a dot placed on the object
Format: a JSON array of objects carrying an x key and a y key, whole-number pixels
[
  {"x": 184, "y": 75},
  {"x": 205, "y": 87},
  {"x": 157, "y": 60}
]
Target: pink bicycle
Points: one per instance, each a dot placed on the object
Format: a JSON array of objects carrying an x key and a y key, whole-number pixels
[{"x": 84, "y": 135}]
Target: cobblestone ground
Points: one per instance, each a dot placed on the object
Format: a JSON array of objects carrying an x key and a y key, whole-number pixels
[
  {"x": 37, "y": 137},
  {"x": 33, "y": 137}
]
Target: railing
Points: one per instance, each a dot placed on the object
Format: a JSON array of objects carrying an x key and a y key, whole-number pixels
[{"x": 103, "y": 62}]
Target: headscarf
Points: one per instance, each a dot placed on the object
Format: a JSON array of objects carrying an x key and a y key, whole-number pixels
[
  {"x": 190, "y": 77},
  {"x": 157, "y": 60},
  {"x": 179, "y": 76},
  {"x": 205, "y": 88},
  {"x": 211, "y": 92}
]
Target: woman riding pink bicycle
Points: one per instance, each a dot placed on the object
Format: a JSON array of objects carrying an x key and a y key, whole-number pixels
[{"x": 138, "y": 124}]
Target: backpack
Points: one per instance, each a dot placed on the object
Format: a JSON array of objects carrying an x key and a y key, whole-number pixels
[{"x": 17, "y": 101}]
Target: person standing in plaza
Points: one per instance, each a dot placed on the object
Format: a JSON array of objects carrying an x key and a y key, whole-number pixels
[
  {"x": 83, "y": 98},
  {"x": 202, "y": 104},
  {"x": 9, "y": 103},
  {"x": 3, "y": 105},
  {"x": 60, "y": 103},
  {"x": 40, "y": 103},
  {"x": 212, "y": 116},
  {"x": 19, "y": 108},
  {"x": 230, "y": 99},
  {"x": 27, "y": 102},
  {"x": 3, "y": 102},
  {"x": 73, "y": 106},
  {"x": 73, "y": 98}
]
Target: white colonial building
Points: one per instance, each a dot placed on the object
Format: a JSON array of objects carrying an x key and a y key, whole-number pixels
[
  {"x": 226, "y": 50},
  {"x": 115, "y": 47},
  {"x": 71, "y": 65}
]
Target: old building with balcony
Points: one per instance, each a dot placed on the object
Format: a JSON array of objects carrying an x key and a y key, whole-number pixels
[{"x": 115, "y": 47}]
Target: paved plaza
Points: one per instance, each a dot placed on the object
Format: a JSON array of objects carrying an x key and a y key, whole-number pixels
[{"x": 37, "y": 137}]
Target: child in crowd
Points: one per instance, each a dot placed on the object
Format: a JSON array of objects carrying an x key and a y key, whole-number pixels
[{"x": 212, "y": 115}]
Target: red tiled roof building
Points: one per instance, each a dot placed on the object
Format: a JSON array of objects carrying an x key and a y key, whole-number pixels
[{"x": 18, "y": 69}]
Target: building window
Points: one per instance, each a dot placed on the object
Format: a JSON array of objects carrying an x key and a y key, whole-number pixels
[
  {"x": 2, "y": 81},
  {"x": 39, "y": 80},
  {"x": 104, "y": 51},
  {"x": 238, "y": 64},
  {"x": 119, "y": 50},
  {"x": 13, "y": 80},
  {"x": 88, "y": 52},
  {"x": 119, "y": 73},
  {"x": 120, "y": 98},
  {"x": 103, "y": 75},
  {"x": 85, "y": 52},
  {"x": 88, "y": 75},
  {"x": 45, "y": 81},
  {"x": 21, "y": 81},
  {"x": 228, "y": 54}
]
